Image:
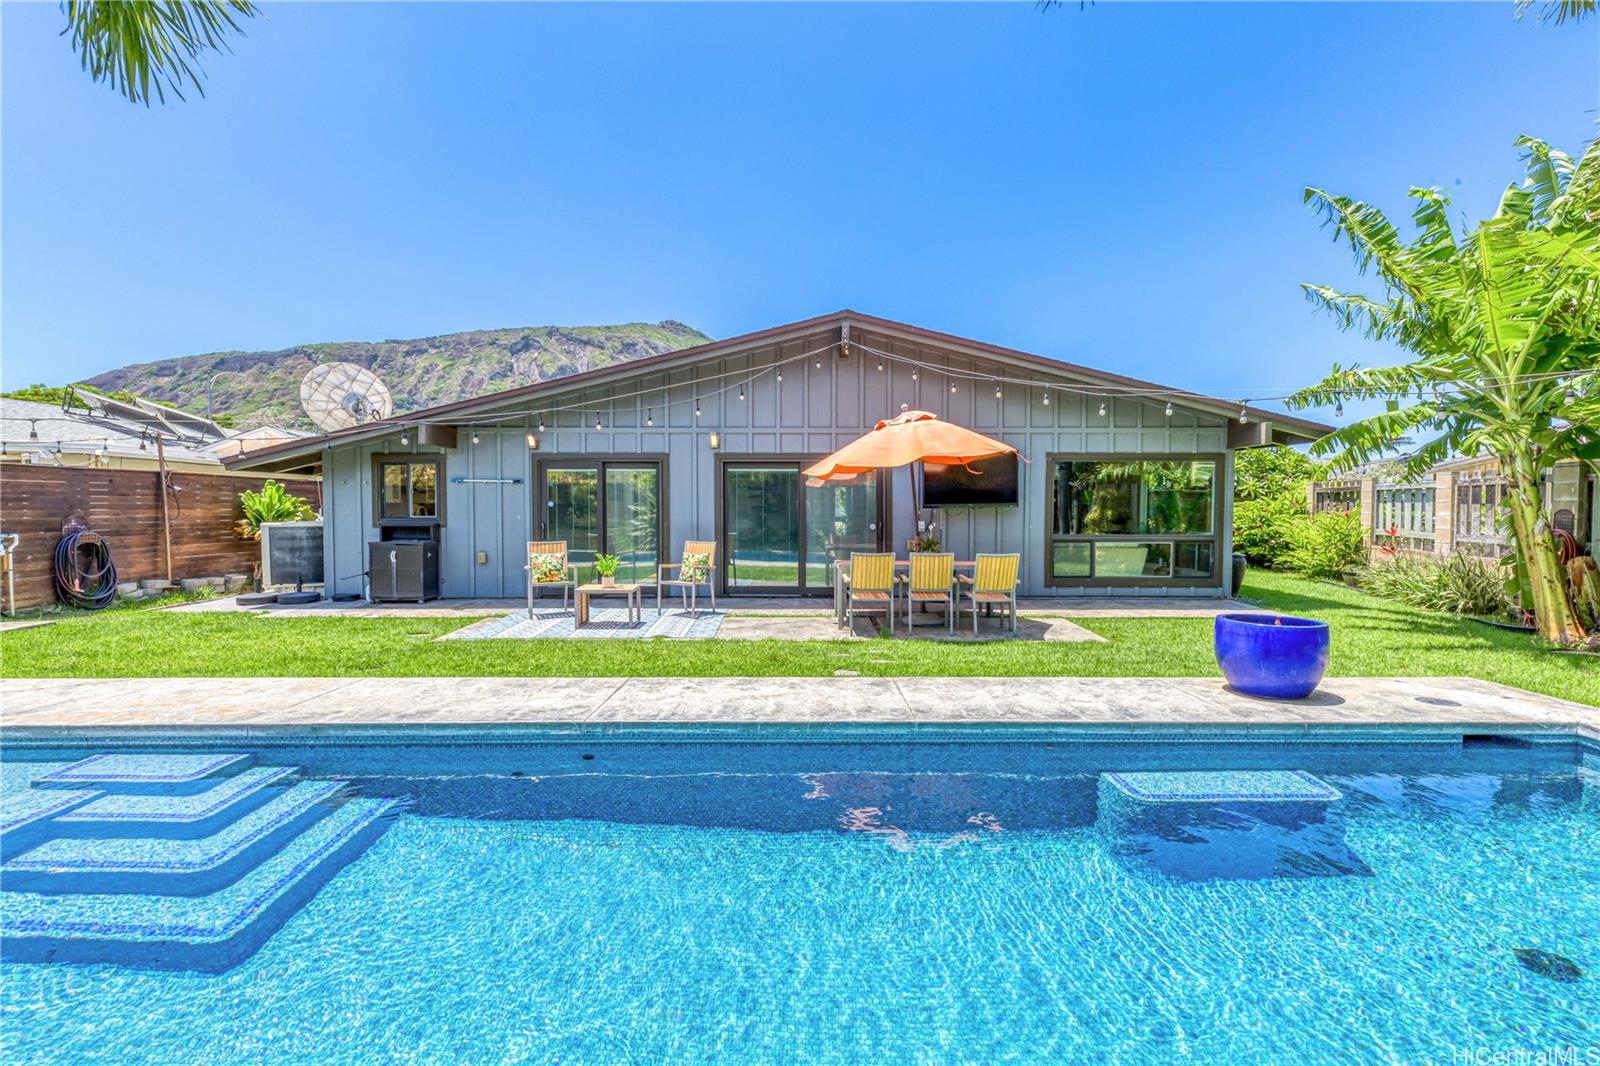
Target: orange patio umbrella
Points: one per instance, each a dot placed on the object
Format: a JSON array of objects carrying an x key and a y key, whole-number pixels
[{"x": 910, "y": 437}]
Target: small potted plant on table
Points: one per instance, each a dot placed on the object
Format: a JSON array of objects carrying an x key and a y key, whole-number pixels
[{"x": 606, "y": 567}]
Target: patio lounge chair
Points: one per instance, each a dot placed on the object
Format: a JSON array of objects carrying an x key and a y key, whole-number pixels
[
  {"x": 932, "y": 580},
  {"x": 548, "y": 568},
  {"x": 994, "y": 581},
  {"x": 697, "y": 566},
  {"x": 869, "y": 582}
]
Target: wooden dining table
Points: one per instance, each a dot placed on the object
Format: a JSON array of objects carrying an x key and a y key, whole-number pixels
[{"x": 841, "y": 565}]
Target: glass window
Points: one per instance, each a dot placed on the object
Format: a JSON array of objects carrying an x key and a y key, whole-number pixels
[
  {"x": 632, "y": 517},
  {"x": 409, "y": 489},
  {"x": 1120, "y": 558},
  {"x": 1070, "y": 558},
  {"x": 424, "y": 490},
  {"x": 1192, "y": 558},
  {"x": 394, "y": 490},
  {"x": 1098, "y": 497}
]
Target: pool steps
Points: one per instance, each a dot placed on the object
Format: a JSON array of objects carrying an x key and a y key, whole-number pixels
[
  {"x": 139, "y": 772},
  {"x": 195, "y": 814},
  {"x": 209, "y": 933},
  {"x": 167, "y": 867},
  {"x": 170, "y": 861}
]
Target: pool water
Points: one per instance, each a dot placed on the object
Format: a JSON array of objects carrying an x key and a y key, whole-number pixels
[{"x": 574, "y": 899}]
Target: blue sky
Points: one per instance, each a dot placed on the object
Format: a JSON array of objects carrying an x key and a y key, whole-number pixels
[{"x": 1119, "y": 186}]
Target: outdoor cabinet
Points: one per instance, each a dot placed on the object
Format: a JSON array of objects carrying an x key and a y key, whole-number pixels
[{"x": 403, "y": 569}]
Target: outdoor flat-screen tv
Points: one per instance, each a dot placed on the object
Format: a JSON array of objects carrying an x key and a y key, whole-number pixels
[{"x": 995, "y": 483}]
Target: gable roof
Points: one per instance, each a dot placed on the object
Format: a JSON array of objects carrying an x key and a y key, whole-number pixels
[{"x": 1301, "y": 429}]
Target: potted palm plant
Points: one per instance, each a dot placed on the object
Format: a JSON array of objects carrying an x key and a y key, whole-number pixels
[{"x": 606, "y": 566}]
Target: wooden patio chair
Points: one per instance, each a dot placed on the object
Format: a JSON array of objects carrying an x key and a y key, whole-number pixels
[
  {"x": 994, "y": 581},
  {"x": 932, "y": 580},
  {"x": 548, "y": 568},
  {"x": 869, "y": 581},
  {"x": 697, "y": 566}
]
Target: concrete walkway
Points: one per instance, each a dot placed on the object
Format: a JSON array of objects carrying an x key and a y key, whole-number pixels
[{"x": 1427, "y": 703}]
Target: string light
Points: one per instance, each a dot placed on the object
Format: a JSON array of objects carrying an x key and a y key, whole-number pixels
[
  {"x": 741, "y": 392},
  {"x": 952, "y": 387},
  {"x": 649, "y": 416},
  {"x": 780, "y": 377},
  {"x": 697, "y": 407},
  {"x": 1338, "y": 409},
  {"x": 597, "y": 423},
  {"x": 1244, "y": 416},
  {"x": 997, "y": 390},
  {"x": 475, "y": 436},
  {"x": 1102, "y": 408},
  {"x": 880, "y": 366},
  {"x": 1169, "y": 409},
  {"x": 541, "y": 423},
  {"x": 405, "y": 438},
  {"x": 819, "y": 364},
  {"x": 913, "y": 373},
  {"x": 1047, "y": 395}
]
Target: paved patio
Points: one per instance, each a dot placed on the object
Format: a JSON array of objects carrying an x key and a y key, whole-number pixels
[
  {"x": 1431, "y": 703},
  {"x": 737, "y": 606}
]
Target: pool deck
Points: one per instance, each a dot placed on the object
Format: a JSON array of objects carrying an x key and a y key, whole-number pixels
[{"x": 1432, "y": 703}]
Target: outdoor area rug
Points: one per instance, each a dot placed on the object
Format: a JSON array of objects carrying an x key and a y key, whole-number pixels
[{"x": 604, "y": 622}]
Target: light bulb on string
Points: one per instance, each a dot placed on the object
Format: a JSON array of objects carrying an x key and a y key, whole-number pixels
[
  {"x": 474, "y": 436},
  {"x": 697, "y": 407},
  {"x": 597, "y": 424},
  {"x": 880, "y": 366},
  {"x": 913, "y": 373},
  {"x": 1338, "y": 408},
  {"x": 1244, "y": 415},
  {"x": 1102, "y": 408},
  {"x": 1169, "y": 409},
  {"x": 952, "y": 388},
  {"x": 741, "y": 392},
  {"x": 1047, "y": 395},
  {"x": 649, "y": 416},
  {"x": 541, "y": 423},
  {"x": 997, "y": 390},
  {"x": 780, "y": 377}
]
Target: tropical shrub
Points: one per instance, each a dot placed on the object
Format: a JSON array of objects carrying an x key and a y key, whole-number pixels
[
  {"x": 1461, "y": 585},
  {"x": 1262, "y": 528},
  {"x": 273, "y": 503},
  {"x": 1272, "y": 473},
  {"x": 1326, "y": 544}
]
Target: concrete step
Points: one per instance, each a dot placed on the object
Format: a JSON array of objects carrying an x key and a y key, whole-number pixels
[
  {"x": 159, "y": 866},
  {"x": 1223, "y": 786},
  {"x": 197, "y": 814},
  {"x": 145, "y": 773},
  {"x": 210, "y": 933}
]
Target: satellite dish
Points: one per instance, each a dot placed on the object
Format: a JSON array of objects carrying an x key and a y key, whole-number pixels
[{"x": 341, "y": 395}]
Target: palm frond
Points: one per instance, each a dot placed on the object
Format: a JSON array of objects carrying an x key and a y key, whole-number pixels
[{"x": 145, "y": 46}]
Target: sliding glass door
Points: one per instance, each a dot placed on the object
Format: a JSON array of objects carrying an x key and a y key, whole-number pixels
[
  {"x": 781, "y": 537},
  {"x": 602, "y": 505}
]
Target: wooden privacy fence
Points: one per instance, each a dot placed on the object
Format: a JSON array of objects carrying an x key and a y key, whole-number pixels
[{"x": 124, "y": 507}]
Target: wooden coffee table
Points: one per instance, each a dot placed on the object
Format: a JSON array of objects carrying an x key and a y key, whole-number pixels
[{"x": 633, "y": 592}]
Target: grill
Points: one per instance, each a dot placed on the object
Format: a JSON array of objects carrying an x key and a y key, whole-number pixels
[{"x": 403, "y": 564}]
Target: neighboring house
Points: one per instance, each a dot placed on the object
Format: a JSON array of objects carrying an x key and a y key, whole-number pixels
[
  {"x": 1127, "y": 487},
  {"x": 101, "y": 468},
  {"x": 1455, "y": 506}
]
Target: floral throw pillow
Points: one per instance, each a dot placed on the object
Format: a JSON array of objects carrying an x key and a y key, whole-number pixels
[
  {"x": 696, "y": 567},
  {"x": 550, "y": 567}
]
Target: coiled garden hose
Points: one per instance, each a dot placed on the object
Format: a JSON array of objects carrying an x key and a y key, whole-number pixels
[{"x": 86, "y": 577}]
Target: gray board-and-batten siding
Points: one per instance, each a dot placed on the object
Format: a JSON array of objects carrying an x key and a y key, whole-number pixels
[{"x": 809, "y": 414}]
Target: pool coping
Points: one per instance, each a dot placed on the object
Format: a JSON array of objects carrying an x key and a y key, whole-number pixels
[{"x": 475, "y": 706}]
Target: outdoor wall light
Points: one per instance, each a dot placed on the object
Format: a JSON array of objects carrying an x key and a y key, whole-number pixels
[
  {"x": 714, "y": 439},
  {"x": 533, "y": 441}
]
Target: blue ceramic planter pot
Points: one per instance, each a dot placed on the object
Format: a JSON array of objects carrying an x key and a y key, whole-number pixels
[{"x": 1272, "y": 655}]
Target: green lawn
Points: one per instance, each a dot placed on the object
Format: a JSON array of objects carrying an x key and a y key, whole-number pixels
[{"x": 1370, "y": 637}]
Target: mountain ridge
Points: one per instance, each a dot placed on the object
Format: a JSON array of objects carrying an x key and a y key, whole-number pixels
[{"x": 258, "y": 387}]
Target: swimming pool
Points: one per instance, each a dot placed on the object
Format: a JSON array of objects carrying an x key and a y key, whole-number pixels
[{"x": 896, "y": 896}]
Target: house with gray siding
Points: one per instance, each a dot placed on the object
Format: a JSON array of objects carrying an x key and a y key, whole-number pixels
[{"x": 1126, "y": 486}]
